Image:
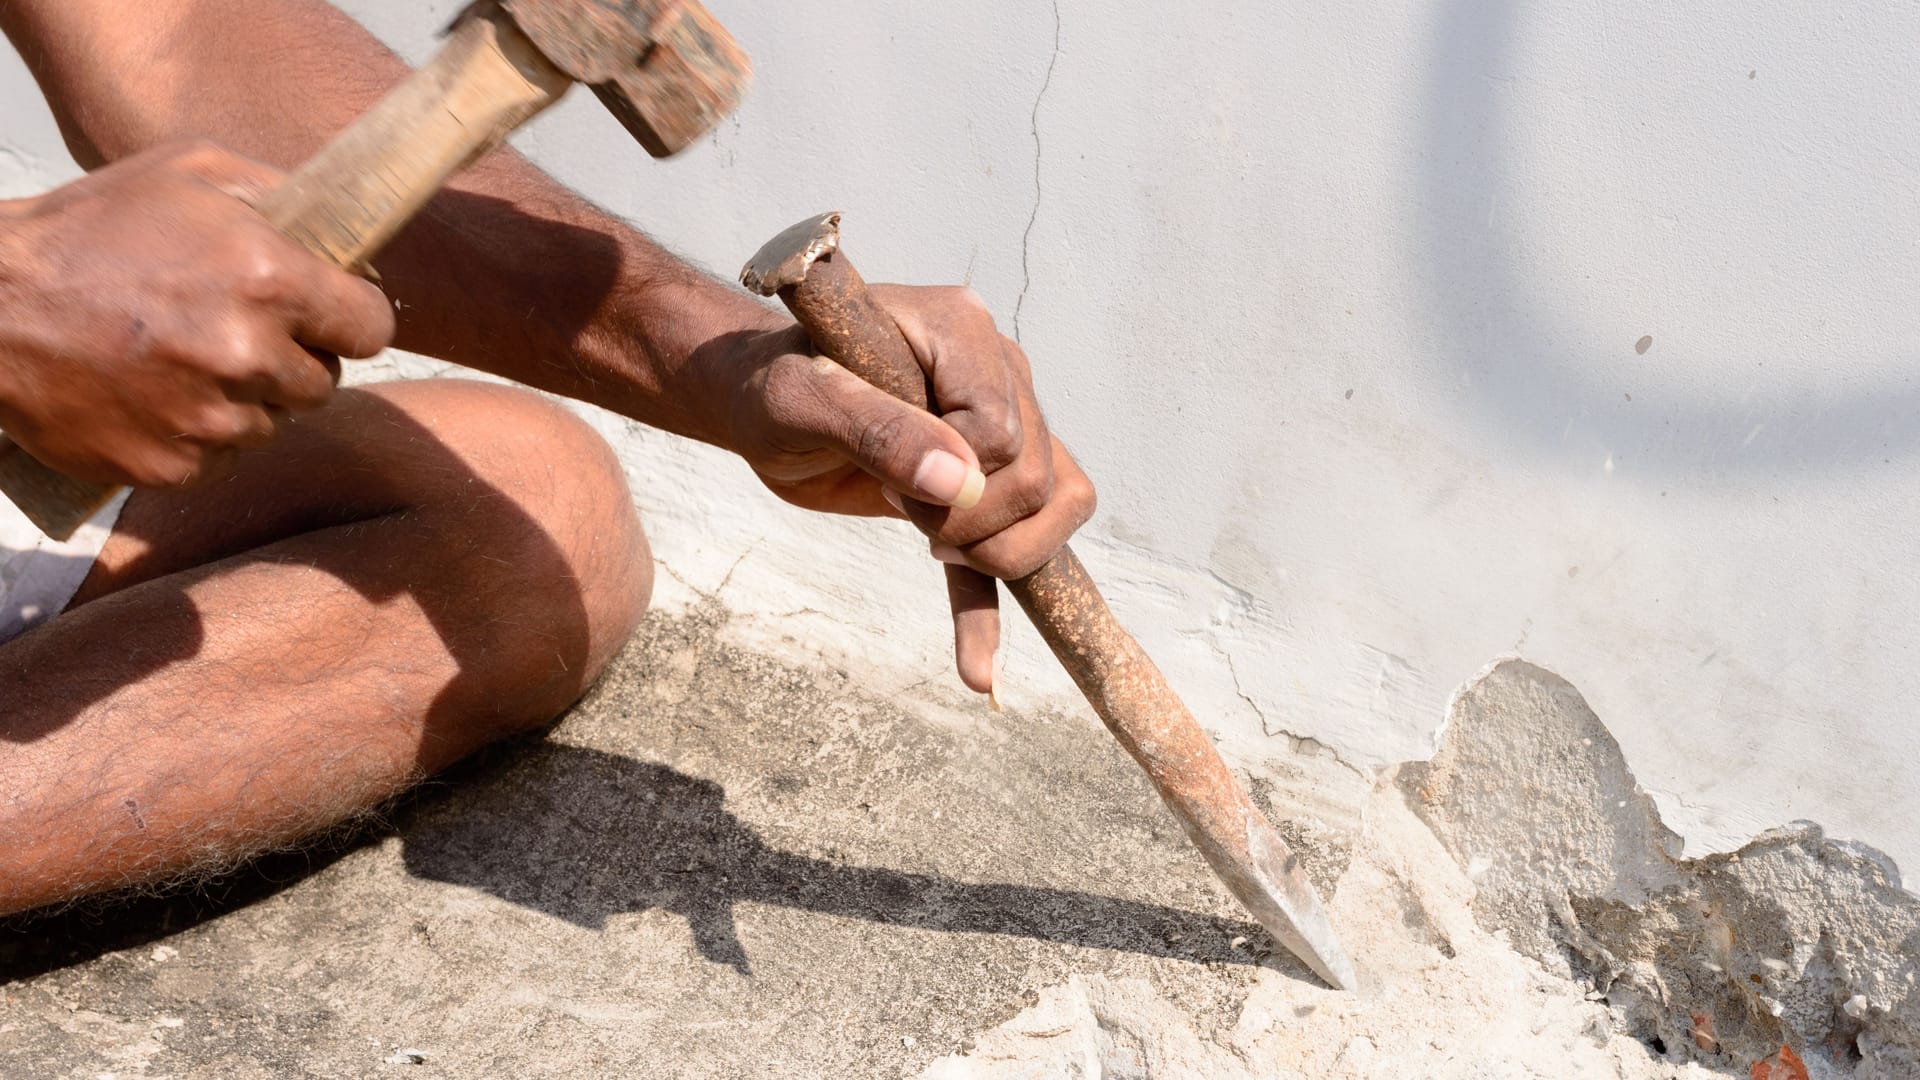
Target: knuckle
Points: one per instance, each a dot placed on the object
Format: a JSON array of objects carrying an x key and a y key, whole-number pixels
[
  {"x": 232, "y": 353},
  {"x": 257, "y": 274},
  {"x": 788, "y": 389},
  {"x": 1001, "y": 560},
  {"x": 1000, "y": 434},
  {"x": 880, "y": 439},
  {"x": 1018, "y": 363},
  {"x": 1078, "y": 493},
  {"x": 164, "y": 467},
  {"x": 213, "y": 423},
  {"x": 310, "y": 389},
  {"x": 257, "y": 428},
  {"x": 1031, "y": 489},
  {"x": 964, "y": 298},
  {"x": 197, "y": 150}
]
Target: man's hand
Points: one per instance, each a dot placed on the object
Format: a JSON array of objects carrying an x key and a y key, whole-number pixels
[
  {"x": 994, "y": 491},
  {"x": 151, "y": 322},
  {"x": 508, "y": 272}
]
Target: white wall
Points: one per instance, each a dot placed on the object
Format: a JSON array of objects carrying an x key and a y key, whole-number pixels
[{"x": 1339, "y": 304}]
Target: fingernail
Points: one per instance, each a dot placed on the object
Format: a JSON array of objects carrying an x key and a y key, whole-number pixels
[
  {"x": 993, "y": 688},
  {"x": 947, "y": 480},
  {"x": 947, "y": 553},
  {"x": 893, "y": 499}
]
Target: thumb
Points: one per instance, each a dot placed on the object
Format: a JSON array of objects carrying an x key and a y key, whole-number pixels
[{"x": 906, "y": 448}]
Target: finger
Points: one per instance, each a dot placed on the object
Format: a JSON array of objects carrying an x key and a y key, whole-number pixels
[
  {"x": 288, "y": 377},
  {"x": 1017, "y": 492},
  {"x": 307, "y": 379},
  {"x": 252, "y": 425},
  {"x": 336, "y": 312},
  {"x": 328, "y": 362},
  {"x": 975, "y": 599},
  {"x": 1024, "y": 547},
  {"x": 815, "y": 403},
  {"x": 201, "y": 464},
  {"x": 217, "y": 463},
  {"x": 974, "y": 386},
  {"x": 222, "y": 425}
]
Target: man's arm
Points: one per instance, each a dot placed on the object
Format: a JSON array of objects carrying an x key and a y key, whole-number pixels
[{"x": 508, "y": 272}]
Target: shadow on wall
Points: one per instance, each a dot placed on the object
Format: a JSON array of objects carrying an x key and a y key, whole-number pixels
[
  {"x": 582, "y": 835},
  {"x": 1532, "y": 381}
]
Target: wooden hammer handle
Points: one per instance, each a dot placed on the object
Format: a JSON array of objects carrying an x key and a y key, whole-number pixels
[
  {"x": 352, "y": 197},
  {"x": 1119, "y": 680}
]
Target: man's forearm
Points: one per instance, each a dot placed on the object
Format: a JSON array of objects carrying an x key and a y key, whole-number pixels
[{"x": 506, "y": 271}]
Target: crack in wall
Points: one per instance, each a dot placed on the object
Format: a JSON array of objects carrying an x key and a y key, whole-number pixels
[
  {"x": 1026, "y": 236},
  {"x": 1298, "y": 744}
]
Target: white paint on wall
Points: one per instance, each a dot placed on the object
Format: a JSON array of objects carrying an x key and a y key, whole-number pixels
[{"x": 1340, "y": 307}]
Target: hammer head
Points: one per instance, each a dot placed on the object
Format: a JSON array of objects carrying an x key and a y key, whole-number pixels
[{"x": 666, "y": 68}]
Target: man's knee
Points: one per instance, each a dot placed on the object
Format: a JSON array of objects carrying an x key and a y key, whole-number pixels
[{"x": 534, "y": 506}]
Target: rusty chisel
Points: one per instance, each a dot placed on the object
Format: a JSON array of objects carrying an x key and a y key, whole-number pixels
[{"x": 804, "y": 266}]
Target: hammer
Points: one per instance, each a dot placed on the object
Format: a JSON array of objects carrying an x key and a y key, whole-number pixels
[
  {"x": 666, "y": 68},
  {"x": 805, "y": 267}
]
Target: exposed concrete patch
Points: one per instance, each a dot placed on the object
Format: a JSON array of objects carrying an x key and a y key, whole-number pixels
[{"x": 1792, "y": 940}]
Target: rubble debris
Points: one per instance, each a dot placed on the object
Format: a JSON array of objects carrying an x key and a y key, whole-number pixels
[{"x": 1519, "y": 910}]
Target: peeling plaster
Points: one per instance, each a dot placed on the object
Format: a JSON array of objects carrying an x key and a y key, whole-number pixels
[{"x": 1795, "y": 939}]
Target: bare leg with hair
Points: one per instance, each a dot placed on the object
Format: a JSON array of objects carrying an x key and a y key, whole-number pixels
[{"x": 412, "y": 572}]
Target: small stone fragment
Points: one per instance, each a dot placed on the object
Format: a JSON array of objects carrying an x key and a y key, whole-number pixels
[
  {"x": 405, "y": 1056},
  {"x": 1785, "y": 1065},
  {"x": 1856, "y": 1006},
  {"x": 1702, "y": 1032},
  {"x": 163, "y": 953}
]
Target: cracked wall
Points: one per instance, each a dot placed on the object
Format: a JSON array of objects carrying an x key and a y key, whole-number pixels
[{"x": 1343, "y": 309}]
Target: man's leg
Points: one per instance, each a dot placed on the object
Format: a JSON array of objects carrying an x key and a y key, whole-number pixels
[{"x": 411, "y": 572}]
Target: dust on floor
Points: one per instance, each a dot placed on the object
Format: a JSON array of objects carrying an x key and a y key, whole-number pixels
[{"x": 724, "y": 865}]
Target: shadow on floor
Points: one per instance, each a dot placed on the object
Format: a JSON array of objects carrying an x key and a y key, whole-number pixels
[
  {"x": 582, "y": 835},
  {"x": 39, "y": 942}
]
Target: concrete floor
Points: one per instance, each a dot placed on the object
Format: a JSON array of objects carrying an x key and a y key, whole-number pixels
[{"x": 717, "y": 865}]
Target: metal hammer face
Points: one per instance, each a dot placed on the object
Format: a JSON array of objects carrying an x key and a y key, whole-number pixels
[{"x": 666, "y": 68}]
